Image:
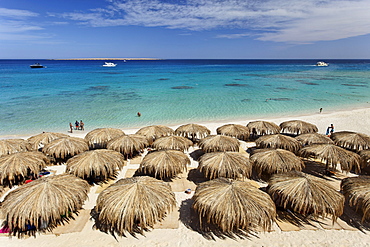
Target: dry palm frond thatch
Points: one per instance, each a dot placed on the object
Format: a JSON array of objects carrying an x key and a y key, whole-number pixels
[
  {"x": 43, "y": 203},
  {"x": 38, "y": 141},
  {"x": 172, "y": 142},
  {"x": 357, "y": 192},
  {"x": 100, "y": 164},
  {"x": 298, "y": 127},
  {"x": 365, "y": 158},
  {"x": 305, "y": 194},
  {"x": 278, "y": 141},
  {"x": 65, "y": 147},
  {"x": 351, "y": 140},
  {"x": 272, "y": 161},
  {"x": 225, "y": 164},
  {"x": 313, "y": 138},
  {"x": 192, "y": 131},
  {"x": 164, "y": 164},
  {"x": 9, "y": 146},
  {"x": 234, "y": 130},
  {"x": 128, "y": 145},
  {"x": 258, "y": 128},
  {"x": 155, "y": 131},
  {"x": 219, "y": 143},
  {"x": 99, "y": 138},
  {"x": 233, "y": 205},
  {"x": 133, "y": 205},
  {"x": 332, "y": 155},
  {"x": 16, "y": 167}
]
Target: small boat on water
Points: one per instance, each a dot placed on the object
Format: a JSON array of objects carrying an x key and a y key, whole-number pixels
[
  {"x": 36, "y": 66},
  {"x": 108, "y": 64},
  {"x": 322, "y": 64}
]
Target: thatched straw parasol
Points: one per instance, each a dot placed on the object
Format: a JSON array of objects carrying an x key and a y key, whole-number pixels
[
  {"x": 272, "y": 161},
  {"x": 278, "y": 141},
  {"x": 219, "y": 143},
  {"x": 155, "y": 131},
  {"x": 38, "y": 141},
  {"x": 305, "y": 194},
  {"x": 313, "y": 138},
  {"x": 99, "y": 138},
  {"x": 263, "y": 128},
  {"x": 100, "y": 164},
  {"x": 233, "y": 205},
  {"x": 365, "y": 158},
  {"x": 9, "y": 146},
  {"x": 65, "y": 147},
  {"x": 234, "y": 130},
  {"x": 332, "y": 155},
  {"x": 128, "y": 145},
  {"x": 43, "y": 203},
  {"x": 351, "y": 140},
  {"x": 225, "y": 164},
  {"x": 172, "y": 142},
  {"x": 164, "y": 164},
  {"x": 192, "y": 131},
  {"x": 16, "y": 167},
  {"x": 357, "y": 192},
  {"x": 133, "y": 205},
  {"x": 298, "y": 127}
]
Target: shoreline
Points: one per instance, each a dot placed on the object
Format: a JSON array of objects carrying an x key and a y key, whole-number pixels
[{"x": 352, "y": 119}]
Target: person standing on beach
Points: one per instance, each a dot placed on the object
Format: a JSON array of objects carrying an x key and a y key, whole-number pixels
[
  {"x": 320, "y": 110},
  {"x": 82, "y": 125},
  {"x": 77, "y": 124},
  {"x": 71, "y": 127},
  {"x": 330, "y": 130}
]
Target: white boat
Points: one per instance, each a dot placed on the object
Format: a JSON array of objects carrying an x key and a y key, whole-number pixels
[
  {"x": 108, "y": 64},
  {"x": 321, "y": 63}
]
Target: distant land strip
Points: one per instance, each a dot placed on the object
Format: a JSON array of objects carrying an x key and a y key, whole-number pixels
[{"x": 107, "y": 59}]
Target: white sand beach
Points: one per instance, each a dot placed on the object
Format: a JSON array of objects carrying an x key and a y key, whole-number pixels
[{"x": 174, "y": 230}]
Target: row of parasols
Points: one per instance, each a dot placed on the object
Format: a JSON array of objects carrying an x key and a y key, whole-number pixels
[{"x": 135, "y": 204}]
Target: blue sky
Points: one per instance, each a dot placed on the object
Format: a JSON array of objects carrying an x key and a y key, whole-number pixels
[{"x": 235, "y": 29}]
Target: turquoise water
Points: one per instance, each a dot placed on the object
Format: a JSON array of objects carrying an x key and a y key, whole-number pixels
[{"x": 171, "y": 91}]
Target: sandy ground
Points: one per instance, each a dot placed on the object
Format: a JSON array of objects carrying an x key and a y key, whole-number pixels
[{"x": 356, "y": 120}]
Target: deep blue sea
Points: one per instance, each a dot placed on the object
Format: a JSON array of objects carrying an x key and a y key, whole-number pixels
[{"x": 171, "y": 91}]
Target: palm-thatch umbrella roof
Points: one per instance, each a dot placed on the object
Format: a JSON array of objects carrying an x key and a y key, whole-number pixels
[
  {"x": 43, "y": 203},
  {"x": 99, "y": 138},
  {"x": 263, "y": 128},
  {"x": 65, "y": 147},
  {"x": 192, "y": 131},
  {"x": 357, "y": 192},
  {"x": 219, "y": 143},
  {"x": 133, "y": 205},
  {"x": 351, "y": 140},
  {"x": 40, "y": 140},
  {"x": 172, "y": 142},
  {"x": 128, "y": 145},
  {"x": 233, "y": 205},
  {"x": 100, "y": 163},
  {"x": 9, "y": 146},
  {"x": 298, "y": 127},
  {"x": 332, "y": 155},
  {"x": 278, "y": 141},
  {"x": 155, "y": 131},
  {"x": 164, "y": 164},
  {"x": 272, "y": 161},
  {"x": 238, "y": 131},
  {"x": 313, "y": 138},
  {"x": 365, "y": 158},
  {"x": 305, "y": 194},
  {"x": 225, "y": 164},
  {"x": 16, "y": 167}
]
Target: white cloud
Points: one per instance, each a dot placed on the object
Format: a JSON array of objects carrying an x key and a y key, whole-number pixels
[
  {"x": 16, "y": 13},
  {"x": 291, "y": 21}
]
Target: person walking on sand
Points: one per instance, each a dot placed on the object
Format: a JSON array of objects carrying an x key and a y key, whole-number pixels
[{"x": 71, "y": 127}]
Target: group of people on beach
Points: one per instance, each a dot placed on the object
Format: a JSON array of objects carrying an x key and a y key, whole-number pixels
[{"x": 78, "y": 126}]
